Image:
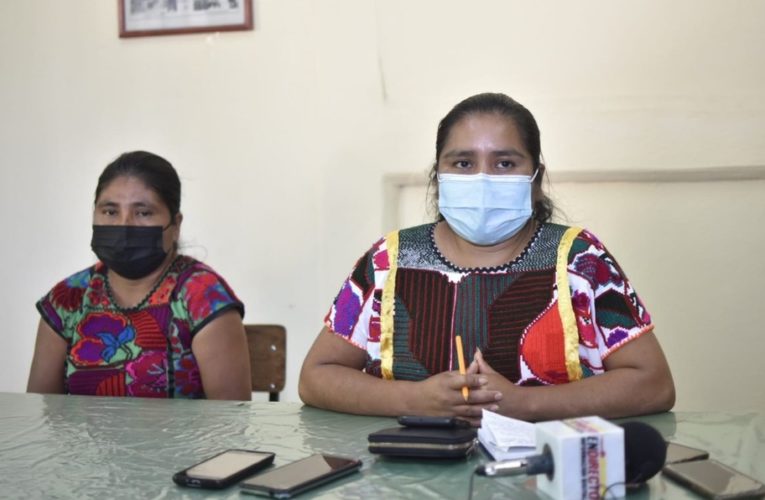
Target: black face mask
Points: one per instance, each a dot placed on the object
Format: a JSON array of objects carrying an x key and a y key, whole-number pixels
[{"x": 130, "y": 251}]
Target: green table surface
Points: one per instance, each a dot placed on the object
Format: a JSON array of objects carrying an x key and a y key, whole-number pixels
[{"x": 54, "y": 446}]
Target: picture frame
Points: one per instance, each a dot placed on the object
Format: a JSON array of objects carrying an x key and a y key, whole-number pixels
[{"x": 173, "y": 17}]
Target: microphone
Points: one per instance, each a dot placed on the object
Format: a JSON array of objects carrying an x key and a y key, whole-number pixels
[
  {"x": 645, "y": 452},
  {"x": 581, "y": 458}
]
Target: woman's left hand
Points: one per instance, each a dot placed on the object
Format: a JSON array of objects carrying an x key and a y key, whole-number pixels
[{"x": 495, "y": 381}]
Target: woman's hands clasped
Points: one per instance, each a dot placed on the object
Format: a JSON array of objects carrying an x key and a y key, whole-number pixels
[{"x": 441, "y": 395}]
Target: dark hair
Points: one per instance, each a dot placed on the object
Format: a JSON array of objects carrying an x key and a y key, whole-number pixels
[
  {"x": 495, "y": 103},
  {"x": 154, "y": 171}
]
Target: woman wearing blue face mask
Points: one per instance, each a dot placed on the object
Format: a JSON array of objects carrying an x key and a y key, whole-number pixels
[
  {"x": 144, "y": 321},
  {"x": 550, "y": 325}
]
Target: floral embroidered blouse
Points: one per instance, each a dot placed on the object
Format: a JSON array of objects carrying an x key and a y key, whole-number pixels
[
  {"x": 142, "y": 351},
  {"x": 551, "y": 316}
]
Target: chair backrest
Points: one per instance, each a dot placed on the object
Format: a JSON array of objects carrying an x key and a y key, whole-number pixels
[{"x": 268, "y": 355}]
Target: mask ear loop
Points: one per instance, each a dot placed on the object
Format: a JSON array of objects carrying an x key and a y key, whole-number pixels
[
  {"x": 169, "y": 225},
  {"x": 541, "y": 166},
  {"x": 531, "y": 181}
]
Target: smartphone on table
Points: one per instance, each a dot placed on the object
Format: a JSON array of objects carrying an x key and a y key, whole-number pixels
[
  {"x": 714, "y": 480},
  {"x": 296, "y": 477},
  {"x": 224, "y": 469},
  {"x": 677, "y": 453},
  {"x": 421, "y": 421}
]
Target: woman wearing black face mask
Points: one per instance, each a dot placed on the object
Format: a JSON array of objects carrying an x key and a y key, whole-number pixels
[{"x": 144, "y": 321}]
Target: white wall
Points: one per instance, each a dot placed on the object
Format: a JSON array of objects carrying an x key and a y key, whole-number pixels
[{"x": 282, "y": 135}]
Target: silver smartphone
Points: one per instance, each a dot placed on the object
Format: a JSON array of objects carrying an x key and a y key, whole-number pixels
[
  {"x": 714, "y": 480},
  {"x": 224, "y": 469},
  {"x": 677, "y": 453},
  {"x": 296, "y": 477}
]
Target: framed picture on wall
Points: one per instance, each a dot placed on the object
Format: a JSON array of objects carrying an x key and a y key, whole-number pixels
[{"x": 172, "y": 17}]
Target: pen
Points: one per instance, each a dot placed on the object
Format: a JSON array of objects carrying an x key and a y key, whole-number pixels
[{"x": 461, "y": 361}]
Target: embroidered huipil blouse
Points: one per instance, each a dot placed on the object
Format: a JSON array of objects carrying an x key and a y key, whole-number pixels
[
  {"x": 551, "y": 316},
  {"x": 142, "y": 351}
]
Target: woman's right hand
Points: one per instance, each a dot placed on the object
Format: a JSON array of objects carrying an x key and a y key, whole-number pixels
[{"x": 441, "y": 395}]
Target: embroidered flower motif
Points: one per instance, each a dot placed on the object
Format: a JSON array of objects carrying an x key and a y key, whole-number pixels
[
  {"x": 347, "y": 310},
  {"x": 206, "y": 294},
  {"x": 87, "y": 352},
  {"x": 598, "y": 270},
  {"x": 162, "y": 294},
  {"x": 617, "y": 335},
  {"x": 67, "y": 296},
  {"x": 102, "y": 334},
  {"x": 188, "y": 381},
  {"x": 581, "y": 304},
  {"x": 114, "y": 342},
  {"x": 97, "y": 295},
  {"x": 148, "y": 375}
]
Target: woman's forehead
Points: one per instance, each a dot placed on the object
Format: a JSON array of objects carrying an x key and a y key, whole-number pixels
[
  {"x": 126, "y": 188},
  {"x": 485, "y": 129}
]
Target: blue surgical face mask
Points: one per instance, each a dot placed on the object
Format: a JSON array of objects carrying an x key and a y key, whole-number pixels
[{"x": 485, "y": 209}]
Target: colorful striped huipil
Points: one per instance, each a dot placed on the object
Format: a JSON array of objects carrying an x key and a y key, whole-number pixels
[{"x": 550, "y": 316}]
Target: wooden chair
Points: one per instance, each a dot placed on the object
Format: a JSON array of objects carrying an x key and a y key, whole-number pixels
[{"x": 268, "y": 355}]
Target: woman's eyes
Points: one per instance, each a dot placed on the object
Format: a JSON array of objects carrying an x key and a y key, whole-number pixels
[
  {"x": 111, "y": 212},
  {"x": 502, "y": 165}
]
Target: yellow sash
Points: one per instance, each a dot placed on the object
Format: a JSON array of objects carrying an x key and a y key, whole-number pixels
[
  {"x": 387, "y": 308},
  {"x": 565, "y": 308}
]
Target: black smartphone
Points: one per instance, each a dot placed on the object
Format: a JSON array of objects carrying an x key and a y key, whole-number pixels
[
  {"x": 423, "y": 442},
  {"x": 714, "y": 480},
  {"x": 296, "y": 477},
  {"x": 420, "y": 421},
  {"x": 677, "y": 453},
  {"x": 224, "y": 469}
]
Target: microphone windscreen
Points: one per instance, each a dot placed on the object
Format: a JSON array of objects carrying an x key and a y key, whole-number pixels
[{"x": 644, "y": 452}]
